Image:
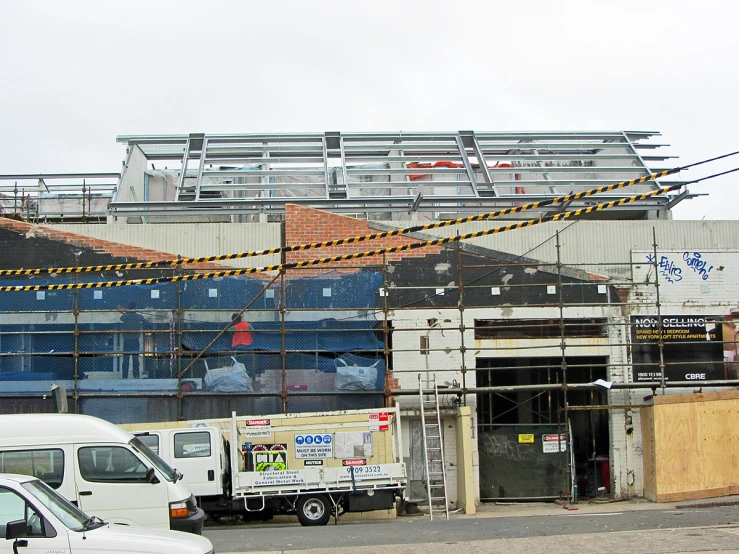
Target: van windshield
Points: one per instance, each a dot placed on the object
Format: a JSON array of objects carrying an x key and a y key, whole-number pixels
[
  {"x": 71, "y": 516},
  {"x": 154, "y": 460}
]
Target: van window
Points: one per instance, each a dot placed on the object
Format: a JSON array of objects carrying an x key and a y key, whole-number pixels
[
  {"x": 46, "y": 464},
  {"x": 69, "y": 514},
  {"x": 110, "y": 464},
  {"x": 152, "y": 441},
  {"x": 14, "y": 507},
  {"x": 192, "y": 445}
]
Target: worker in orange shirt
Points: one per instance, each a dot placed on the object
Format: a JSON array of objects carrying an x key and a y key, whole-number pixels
[{"x": 241, "y": 333}]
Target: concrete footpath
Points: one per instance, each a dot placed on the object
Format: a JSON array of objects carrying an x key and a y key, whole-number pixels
[
  {"x": 710, "y": 538},
  {"x": 514, "y": 509},
  {"x": 630, "y": 542}
]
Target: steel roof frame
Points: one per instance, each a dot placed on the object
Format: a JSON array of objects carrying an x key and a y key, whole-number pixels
[
  {"x": 383, "y": 172},
  {"x": 377, "y": 173}
]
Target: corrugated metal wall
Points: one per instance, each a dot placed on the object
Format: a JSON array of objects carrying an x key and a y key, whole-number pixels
[
  {"x": 602, "y": 246},
  {"x": 191, "y": 240}
]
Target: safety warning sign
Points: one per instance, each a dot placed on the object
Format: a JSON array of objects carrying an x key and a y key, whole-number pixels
[
  {"x": 379, "y": 421},
  {"x": 554, "y": 443},
  {"x": 319, "y": 445}
]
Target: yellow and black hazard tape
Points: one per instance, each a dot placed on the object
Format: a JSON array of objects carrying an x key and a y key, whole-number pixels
[
  {"x": 306, "y": 263},
  {"x": 351, "y": 240},
  {"x": 480, "y": 217}
]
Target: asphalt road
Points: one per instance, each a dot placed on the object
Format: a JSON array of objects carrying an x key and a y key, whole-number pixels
[{"x": 270, "y": 537}]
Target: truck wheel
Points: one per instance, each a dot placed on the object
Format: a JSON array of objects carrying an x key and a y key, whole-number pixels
[{"x": 313, "y": 510}]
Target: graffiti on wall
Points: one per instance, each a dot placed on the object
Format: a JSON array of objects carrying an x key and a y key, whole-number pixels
[
  {"x": 696, "y": 262},
  {"x": 672, "y": 270},
  {"x": 667, "y": 268}
]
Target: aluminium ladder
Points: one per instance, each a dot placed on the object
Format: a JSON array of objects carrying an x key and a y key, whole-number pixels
[{"x": 433, "y": 443}]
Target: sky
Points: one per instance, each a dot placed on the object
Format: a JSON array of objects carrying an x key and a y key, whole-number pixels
[{"x": 75, "y": 74}]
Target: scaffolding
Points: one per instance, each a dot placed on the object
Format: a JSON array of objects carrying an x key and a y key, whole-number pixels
[
  {"x": 559, "y": 352},
  {"x": 36, "y": 197}
]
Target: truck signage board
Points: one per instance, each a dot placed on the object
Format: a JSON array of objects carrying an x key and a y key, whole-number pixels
[
  {"x": 363, "y": 471},
  {"x": 276, "y": 478},
  {"x": 257, "y": 422},
  {"x": 258, "y": 432},
  {"x": 314, "y": 445},
  {"x": 267, "y": 457},
  {"x": 379, "y": 421},
  {"x": 270, "y": 461},
  {"x": 362, "y": 462}
]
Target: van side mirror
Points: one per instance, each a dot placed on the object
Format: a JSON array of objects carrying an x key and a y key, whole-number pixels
[
  {"x": 16, "y": 529},
  {"x": 151, "y": 476}
]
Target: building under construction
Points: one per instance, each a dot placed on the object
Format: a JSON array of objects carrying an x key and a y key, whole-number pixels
[{"x": 282, "y": 273}]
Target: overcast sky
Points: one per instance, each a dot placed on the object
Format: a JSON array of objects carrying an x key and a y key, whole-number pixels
[{"x": 74, "y": 74}]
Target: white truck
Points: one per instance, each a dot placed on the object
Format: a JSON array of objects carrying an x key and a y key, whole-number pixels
[{"x": 312, "y": 464}]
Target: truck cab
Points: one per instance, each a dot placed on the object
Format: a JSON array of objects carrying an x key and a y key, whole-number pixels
[{"x": 200, "y": 454}]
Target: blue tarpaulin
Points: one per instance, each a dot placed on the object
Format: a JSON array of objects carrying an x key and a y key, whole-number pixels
[
  {"x": 44, "y": 349},
  {"x": 326, "y": 335}
]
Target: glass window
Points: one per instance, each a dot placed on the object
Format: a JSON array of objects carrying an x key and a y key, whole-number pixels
[
  {"x": 68, "y": 514},
  {"x": 110, "y": 464},
  {"x": 14, "y": 507},
  {"x": 152, "y": 441},
  {"x": 154, "y": 459},
  {"x": 192, "y": 445},
  {"x": 46, "y": 464}
]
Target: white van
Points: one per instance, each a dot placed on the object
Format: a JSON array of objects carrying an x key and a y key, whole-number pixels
[
  {"x": 33, "y": 518},
  {"x": 101, "y": 468}
]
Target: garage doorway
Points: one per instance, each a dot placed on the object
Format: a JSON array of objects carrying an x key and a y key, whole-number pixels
[{"x": 517, "y": 430}]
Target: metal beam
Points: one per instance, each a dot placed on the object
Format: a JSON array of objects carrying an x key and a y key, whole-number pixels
[
  {"x": 684, "y": 195},
  {"x": 36, "y": 176},
  {"x": 201, "y": 168},
  {"x": 467, "y": 166},
  {"x": 654, "y": 385}
]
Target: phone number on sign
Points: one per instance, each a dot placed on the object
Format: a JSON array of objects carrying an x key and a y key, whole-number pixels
[{"x": 368, "y": 470}]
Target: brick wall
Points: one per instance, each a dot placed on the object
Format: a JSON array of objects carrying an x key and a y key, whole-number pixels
[{"x": 306, "y": 225}]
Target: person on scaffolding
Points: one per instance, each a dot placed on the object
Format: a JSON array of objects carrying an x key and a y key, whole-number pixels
[
  {"x": 132, "y": 325},
  {"x": 241, "y": 333}
]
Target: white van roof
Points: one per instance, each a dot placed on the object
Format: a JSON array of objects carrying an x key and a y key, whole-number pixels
[{"x": 35, "y": 429}]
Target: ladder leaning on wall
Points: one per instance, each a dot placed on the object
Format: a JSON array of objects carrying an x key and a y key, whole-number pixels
[{"x": 433, "y": 451}]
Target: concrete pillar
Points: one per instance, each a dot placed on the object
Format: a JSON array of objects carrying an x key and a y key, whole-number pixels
[{"x": 465, "y": 470}]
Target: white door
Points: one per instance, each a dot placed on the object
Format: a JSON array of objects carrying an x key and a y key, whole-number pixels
[
  {"x": 112, "y": 484},
  {"x": 14, "y": 507},
  {"x": 195, "y": 454}
]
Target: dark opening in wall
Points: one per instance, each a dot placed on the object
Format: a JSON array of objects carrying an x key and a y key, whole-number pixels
[{"x": 539, "y": 328}]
